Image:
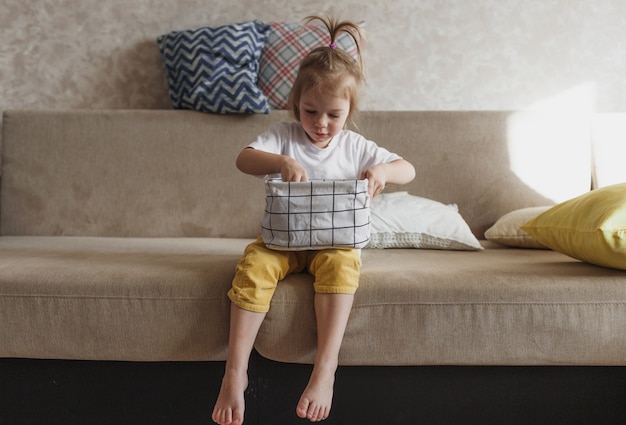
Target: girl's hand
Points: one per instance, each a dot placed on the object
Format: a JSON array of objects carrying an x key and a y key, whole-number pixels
[
  {"x": 395, "y": 172},
  {"x": 292, "y": 171},
  {"x": 260, "y": 163},
  {"x": 376, "y": 179}
]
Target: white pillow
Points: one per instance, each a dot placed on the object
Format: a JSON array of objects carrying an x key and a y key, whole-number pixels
[
  {"x": 506, "y": 230},
  {"x": 400, "y": 220}
]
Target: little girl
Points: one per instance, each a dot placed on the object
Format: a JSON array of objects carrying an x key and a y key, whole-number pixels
[{"x": 315, "y": 146}]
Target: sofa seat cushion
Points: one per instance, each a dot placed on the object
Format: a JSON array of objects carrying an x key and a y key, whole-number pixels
[
  {"x": 141, "y": 299},
  {"x": 151, "y": 299},
  {"x": 499, "y": 306}
]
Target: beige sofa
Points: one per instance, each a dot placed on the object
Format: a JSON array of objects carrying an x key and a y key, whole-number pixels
[{"x": 121, "y": 230}]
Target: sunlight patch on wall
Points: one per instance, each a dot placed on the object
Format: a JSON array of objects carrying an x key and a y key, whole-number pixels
[
  {"x": 549, "y": 143},
  {"x": 609, "y": 149}
]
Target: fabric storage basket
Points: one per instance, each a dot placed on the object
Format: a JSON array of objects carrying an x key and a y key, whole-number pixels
[{"x": 316, "y": 214}]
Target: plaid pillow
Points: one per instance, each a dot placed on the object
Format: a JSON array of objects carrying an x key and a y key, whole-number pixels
[
  {"x": 316, "y": 214},
  {"x": 284, "y": 49},
  {"x": 214, "y": 69}
]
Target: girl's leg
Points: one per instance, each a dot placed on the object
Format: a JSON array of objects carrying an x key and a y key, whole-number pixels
[
  {"x": 337, "y": 273},
  {"x": 332, "y": 312},
  {"x": 230, "y": 405},
  {"x": 255, "y": 280}
]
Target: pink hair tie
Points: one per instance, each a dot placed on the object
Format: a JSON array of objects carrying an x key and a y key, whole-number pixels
[{"x": 333, "y": 45}]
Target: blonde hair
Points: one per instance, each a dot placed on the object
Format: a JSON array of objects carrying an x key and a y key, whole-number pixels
[{"x": 330, "y": 69}]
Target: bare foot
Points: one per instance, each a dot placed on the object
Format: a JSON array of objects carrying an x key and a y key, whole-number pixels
[
  {"x": 317, "y": 397},
  {"x": 230, "y": 403}
]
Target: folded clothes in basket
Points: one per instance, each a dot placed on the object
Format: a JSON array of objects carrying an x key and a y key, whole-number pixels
[{"x": 316, "y": 214}]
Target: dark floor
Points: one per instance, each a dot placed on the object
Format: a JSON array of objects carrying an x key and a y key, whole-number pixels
[{"x": 91, "y": 393}]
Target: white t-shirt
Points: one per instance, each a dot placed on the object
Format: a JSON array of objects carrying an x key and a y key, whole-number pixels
[{"x": 346, "y": 157}]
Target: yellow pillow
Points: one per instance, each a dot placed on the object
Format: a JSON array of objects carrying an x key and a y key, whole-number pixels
[{"x": 591, "y": 227}]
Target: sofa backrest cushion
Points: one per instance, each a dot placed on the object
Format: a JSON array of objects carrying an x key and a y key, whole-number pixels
[
  {"x": 168, "y": 173},
  {"x": 129, "y": 173},
  {"x": 489, "y": 163}
]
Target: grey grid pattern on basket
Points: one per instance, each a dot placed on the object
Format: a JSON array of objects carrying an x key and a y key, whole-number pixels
[{"x": 316, "y": 214}]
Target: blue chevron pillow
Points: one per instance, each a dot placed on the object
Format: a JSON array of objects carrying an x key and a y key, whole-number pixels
[{"x": 215, "y": 69}]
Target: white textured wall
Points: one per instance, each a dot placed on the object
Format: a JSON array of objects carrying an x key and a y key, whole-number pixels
[{"x": 422, "y": 54}]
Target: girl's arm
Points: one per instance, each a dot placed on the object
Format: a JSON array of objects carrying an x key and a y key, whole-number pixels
[
  {"x": 260, "y": 163},
  {"x": 399, "y": 171}
]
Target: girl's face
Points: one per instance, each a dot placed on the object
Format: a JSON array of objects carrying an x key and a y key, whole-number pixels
[{"x": 322, "y": 115}]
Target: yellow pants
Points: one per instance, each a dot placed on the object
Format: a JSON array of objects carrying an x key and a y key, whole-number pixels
[{"x": 336, "y": 271}]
